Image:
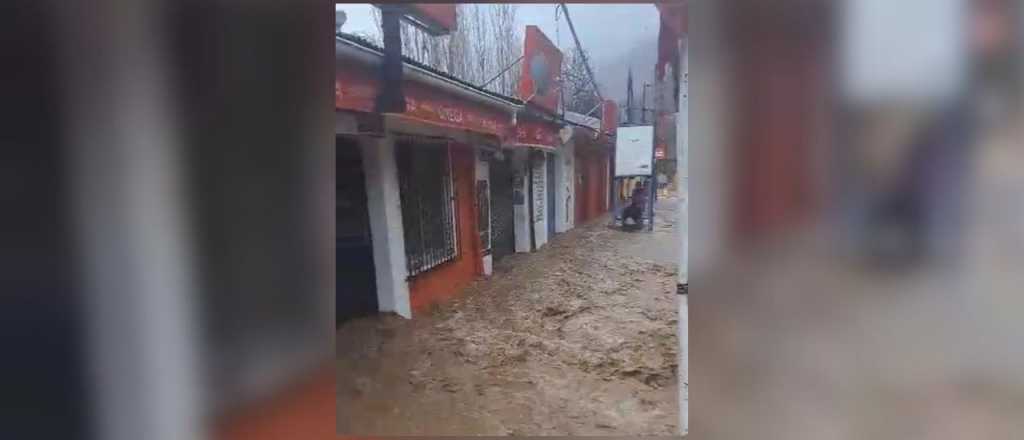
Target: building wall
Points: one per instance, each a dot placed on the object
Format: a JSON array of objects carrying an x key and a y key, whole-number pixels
[
  {"x": 592, "y": 195},
  {"x": 713, "y": 150},
  {"x": 565, "y": 200},
  {"x": 598, "y": 186},
  {"x": 583, "y": 187},
  {"x": 449, "y": 279},
  {"x": 781, "y": 89}
]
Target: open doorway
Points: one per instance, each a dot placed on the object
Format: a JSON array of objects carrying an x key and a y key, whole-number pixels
[
  {"x": 502, "y": 211},
  {"x": 355, "y": 286}
]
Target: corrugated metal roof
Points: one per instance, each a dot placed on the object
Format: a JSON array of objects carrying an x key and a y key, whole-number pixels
[
  {"x": 368, "y": 45},
  {"x": 359, "y": 41}
]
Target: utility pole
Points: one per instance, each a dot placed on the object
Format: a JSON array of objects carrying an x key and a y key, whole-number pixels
[
  {"x": 629, "y": 98},
  {"x": 643, "y": 104}
]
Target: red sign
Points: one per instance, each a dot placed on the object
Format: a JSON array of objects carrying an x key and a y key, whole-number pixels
[
  {"x": 356, "y": 89},
  {"x": 536, "y": 133},
  {"x": 435, "y": 18},
  {"x": 542, "y": 66},
  {"x": 609, "y": 117}
]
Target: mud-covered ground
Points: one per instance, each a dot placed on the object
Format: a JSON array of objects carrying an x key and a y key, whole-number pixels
[{"x": 576, "y": 339}]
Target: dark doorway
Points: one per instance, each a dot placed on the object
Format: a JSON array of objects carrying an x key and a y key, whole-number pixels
[
  {"x": 356, "y": 284},
  {"x": 551, "y": 195},
  {"x": 502, "y": 213}
]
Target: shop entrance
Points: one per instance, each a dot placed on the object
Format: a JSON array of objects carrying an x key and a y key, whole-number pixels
[
  {"x": 355, "y": 286},
  {"x": 502, "y": 213}
]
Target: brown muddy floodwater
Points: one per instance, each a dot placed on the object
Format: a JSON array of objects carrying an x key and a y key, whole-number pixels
[{"x": 578, "y": 338}]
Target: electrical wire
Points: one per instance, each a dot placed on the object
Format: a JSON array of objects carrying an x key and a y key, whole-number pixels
[{"x": 586, "y": 63}]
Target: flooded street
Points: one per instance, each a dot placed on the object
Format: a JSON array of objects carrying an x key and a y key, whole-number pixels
[{"x": 578, "y": 338}]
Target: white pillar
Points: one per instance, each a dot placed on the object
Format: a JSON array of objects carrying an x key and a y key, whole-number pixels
[
  {"x": 483, "y": 173},
  {"x": 133, "y": 240},
  {"x": 564, "y": 188},
  {"x": 682, "y": 146},
  {"x": 385, "y": 209}
]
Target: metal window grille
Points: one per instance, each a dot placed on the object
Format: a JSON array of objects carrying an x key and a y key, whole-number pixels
[{"x": 428, "y": 205}]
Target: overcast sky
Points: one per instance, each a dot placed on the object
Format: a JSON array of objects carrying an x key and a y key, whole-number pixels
[{"x": 617, "y": 36}]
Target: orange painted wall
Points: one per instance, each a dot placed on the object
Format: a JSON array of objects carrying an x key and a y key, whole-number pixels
[
  {"x": 449, "y": 279},
  {"x": 591, "y": 194},
  {"x": 306, "y": 411}
]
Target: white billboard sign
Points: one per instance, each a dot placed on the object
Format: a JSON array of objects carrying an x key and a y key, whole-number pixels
[{"x": 634, "y": 151}]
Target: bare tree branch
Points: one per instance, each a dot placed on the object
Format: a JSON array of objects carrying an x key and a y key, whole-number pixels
[{"x": 579, "y": 93}]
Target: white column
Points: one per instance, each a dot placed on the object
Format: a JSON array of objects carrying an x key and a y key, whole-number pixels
[
  {"x": 140, "y": 321},
  {"x": 385, "y": 209},
  {"x": 682, "y": 146},
  {"x": 564, "y": 188},
  {"x": 483, "y": 173}
]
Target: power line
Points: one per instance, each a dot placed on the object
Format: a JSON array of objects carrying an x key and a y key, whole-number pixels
[
  {"x": 583, "y": 54},
  {"x": 503, "y": 71}
]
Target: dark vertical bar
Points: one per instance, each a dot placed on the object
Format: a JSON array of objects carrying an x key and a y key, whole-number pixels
[
  {"x": 643, "y": 104},
  {"x": 651, "y": 186},
  {"x": 451, "y": 205},
  {"x": 615, "y": 201},
  {"x": 390, "y": 99},
  {"x": 441, "y": 245},
  {"x": 424, "y": 255}
]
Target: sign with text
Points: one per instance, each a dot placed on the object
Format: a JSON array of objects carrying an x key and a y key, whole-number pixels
[
  {"x": 537, "y": 177},
  {"x": 633, "y": 151},
  {"x": 355, "y": 89},
  {"x": 536, "y": 134},
  {"x": 542, "y": 66}
]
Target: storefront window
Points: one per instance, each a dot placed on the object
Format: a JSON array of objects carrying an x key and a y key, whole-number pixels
[{"x": 428, "y": 205}]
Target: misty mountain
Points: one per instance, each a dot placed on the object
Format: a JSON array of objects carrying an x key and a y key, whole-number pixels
[{"x": 612, "y": 70}]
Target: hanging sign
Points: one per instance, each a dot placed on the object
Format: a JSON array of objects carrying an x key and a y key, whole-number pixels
[
  {"x": 537, "y": 134},
  {"x": 542, "y": 64}
]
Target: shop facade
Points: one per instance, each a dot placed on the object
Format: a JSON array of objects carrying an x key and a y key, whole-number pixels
[
  {"x": 593, "y": 169},
  {"x": 427, "y": 182},
  {"x": 453, "y": 185}
]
